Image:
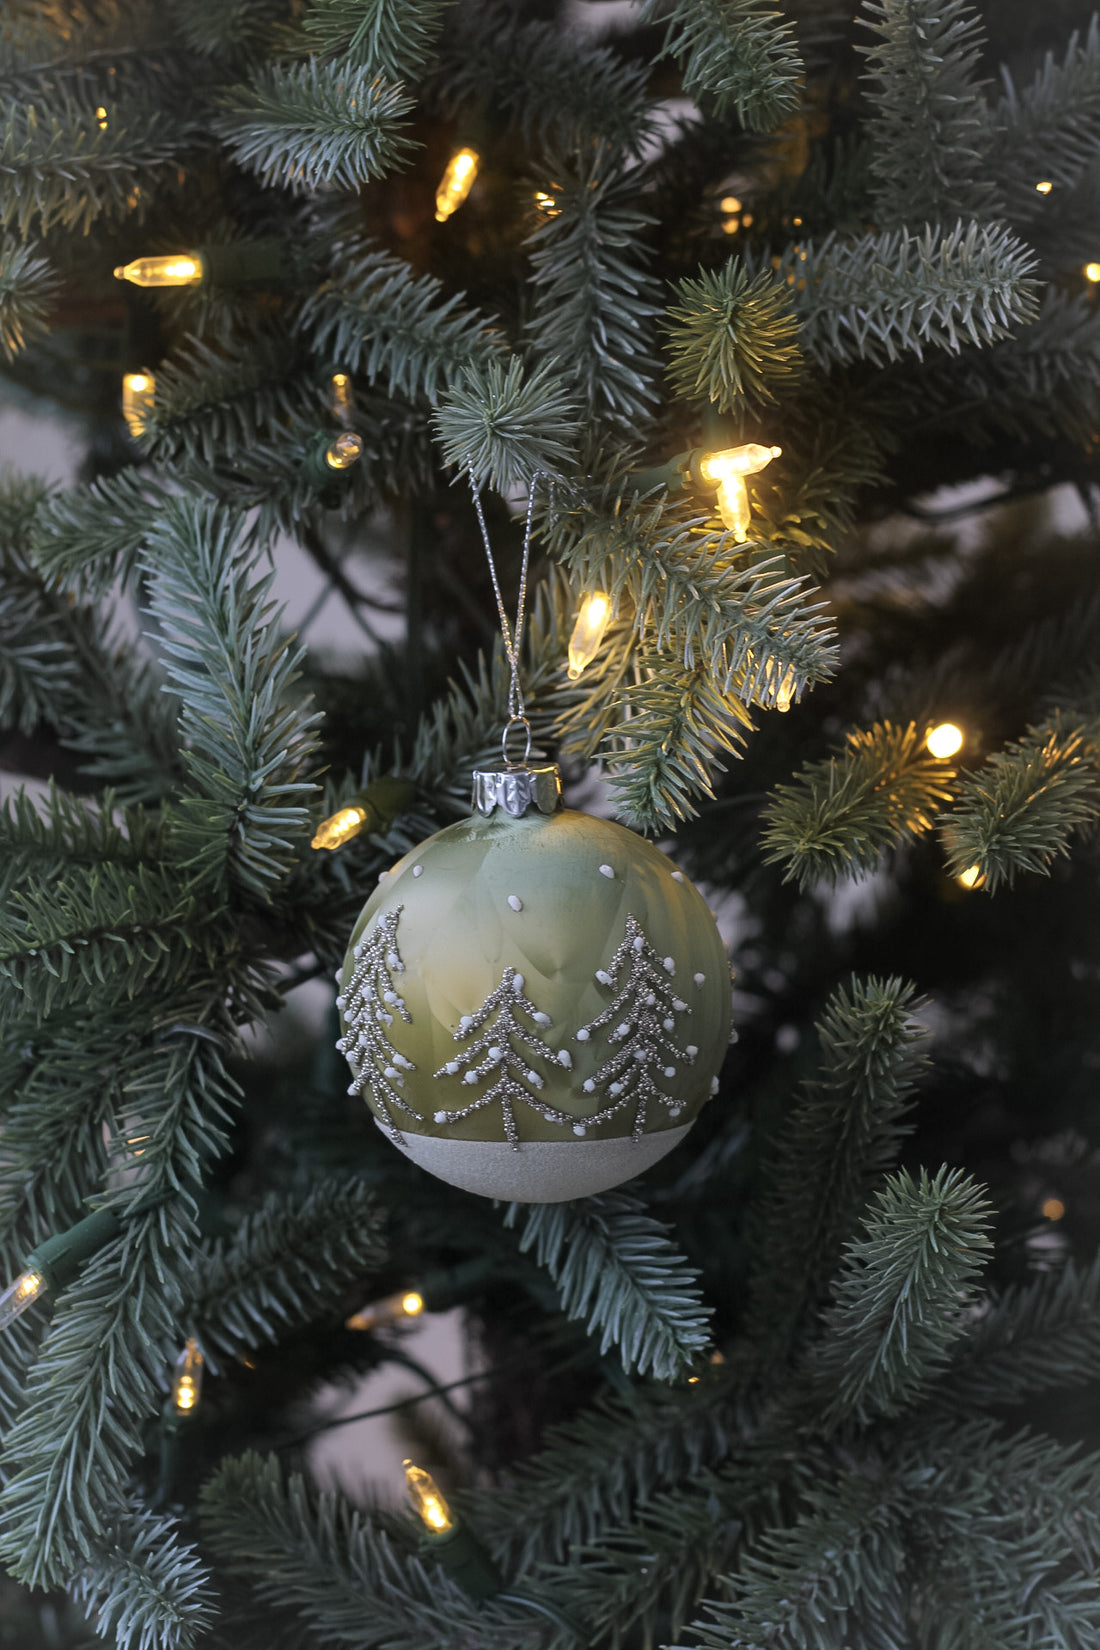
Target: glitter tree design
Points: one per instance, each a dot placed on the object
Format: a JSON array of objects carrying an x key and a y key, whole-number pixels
[
  {"x": 499, "y": 1050},
  {"x": 642, "y": 1015},
  {"x": 368, "y": 1005}
]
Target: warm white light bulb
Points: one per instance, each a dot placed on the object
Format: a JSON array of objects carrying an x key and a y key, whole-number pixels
[
  {"x": 588, "y": 632},
  {"x": 187, "y": 1378},
  {"x": 1092, "y": 273},
  {"x": 727, "y": 471},
  {"x": 971, "y": 878},
  {"x": 341, "y": 396},
  {"x": 456, "y": 183},
  {"x": 345, "y": 451},
  {"x": 174, "y": 269},
  {"x": 427, "y": 1499},
  {"x": 16, "y": 1298},
  {"x": 392, "y": 1309},
  {"x": 944, "y": 740},
  {"x": 339, "y": 828},
  {"x": 138, "y": 392}
]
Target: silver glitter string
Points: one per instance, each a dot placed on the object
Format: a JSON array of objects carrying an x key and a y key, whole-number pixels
[{"x": 513, "y": 639}]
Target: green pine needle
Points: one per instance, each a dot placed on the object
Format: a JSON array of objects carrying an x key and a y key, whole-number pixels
[
  {"x": 144, "y": 1588},
  {"x": 1017, "y": 813},
  {"x": 507, "y": 426},
  {"x": 28, "y": 287},
  {"x": 1049, "y": 130},
  {"x": 838, "y": 817},
  {"x": 1039, "y": 1336},
  {"x": 901, "y": 1293},
  {"x": 391, "y": 38},
  {"x": 733, "y": 339},
  {"x": 930, "y": 134},
  {"x": 307, "y": 127},
  {"x": 740, "y": 55},
  {"x": 616, "y": 1266}
]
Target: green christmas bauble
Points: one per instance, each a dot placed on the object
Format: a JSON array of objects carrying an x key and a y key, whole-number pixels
[{"x": 535, "y": 1005}]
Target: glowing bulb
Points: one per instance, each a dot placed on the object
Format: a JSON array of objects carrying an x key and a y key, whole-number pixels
[
  {"x": 19, "y": 1295},
  {"x": 588, "y": 632},
  {"x": 340, "y": 827},
  {"x": 341, "y": 396},
  {"x": 1053, "y": 1209},
  {"x": 547, "y": 203},
  {"x": 345, "y": 451},
  {"x": 456, "y": 183},
  {"x": 784, "y": 694},
  {"x": 173, "y": 269},
  {"x": 138, "y": 390},
  {"x": 1045, "y": 187},
  {"x": 737, "y": 461},
  {"x": 1092, "y": 272},
  {"x": 944, "y": 740},
  {"x": 729, "y": 203},
  {"x": 101, "y": 118},
  {"x": 393, "y": 1309},
  {"x": 971, "y": 878},
  {"x": 427, "y": 1500},
  {"x": 187, "y": 1379}
]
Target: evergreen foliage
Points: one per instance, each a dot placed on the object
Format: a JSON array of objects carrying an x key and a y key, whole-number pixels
[{"x": 802, "y": 1389}]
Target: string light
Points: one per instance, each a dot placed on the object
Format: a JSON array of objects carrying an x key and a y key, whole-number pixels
[
  {"x": 340, "y": 827},
  {"x": 345, "y": 451},
  {"x": 727, "y": 470},
  {"x": 547, "y": 203},
  {"x": 170, "y": 269},
  {"x": 101, "y": 118},
  {"x": 428, "y": 1500},
  {"x": 944, "y": 740},
  {"x": 393, "y": 1309},
  {"x": 971, "y": 878},
  {"x": 588, "y": 632},
  {"x": 1045, "y": 187},
  {"x": 341, "y": 396},
  {"x": 1092, "y": 272},
  {"x": 456, "y": 183},
  {"x": 784, "y": 694},
  {"x": 138, "y": 390},
  {"x": 18, "y": 1296},
  {"x": 187, "y": 1378}
]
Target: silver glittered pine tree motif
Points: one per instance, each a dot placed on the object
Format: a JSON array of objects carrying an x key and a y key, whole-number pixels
[
  {"x": 642, "y": 1016},
  {"x": 500, "y": 1036},
  {"x": 368, "y": 1005}
]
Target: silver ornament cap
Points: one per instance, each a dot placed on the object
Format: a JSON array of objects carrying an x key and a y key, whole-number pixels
[{"x": 517, "y": 790}]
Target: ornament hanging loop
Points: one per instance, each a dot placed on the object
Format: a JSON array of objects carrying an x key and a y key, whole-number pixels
[
  {"x": 516, "y": 721},
  {"x": 512, "y": 635}
]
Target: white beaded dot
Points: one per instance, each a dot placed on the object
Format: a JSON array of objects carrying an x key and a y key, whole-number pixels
[
  {"x": 465, "y": 1023},
  {"x": 515, "y": 902},
  {"x": 451, "y": 1067},
  {"x": 639, "y": 943},
  {"x": 579, "y": 1128},
  {"x": 541, "y": 1019},
  {"x": 518, "y": 981},
  {"x": 606, "y": 871},
  {"x": 677, "y": 876},
  {"x": 691, "y": 1051},
  {"x": 615, "y": 1088},
  {"x": 441, "y": 1116},
  {"x": 418, "y": 870},
  {"x": 390, "y": 1071},
  {"x": 583, "y": 1034},
  {"x": 668, "y": 965},
  {"x": 603, "y": 976},
  {"x": 382, "y": 875},
  {"x": 341, "y": 1002},
  {"x": 565, "y": 1058},
  {"x": 700, "y": 979},
  {"x": 670, "y": 1071},
  {"x": 496, "y": 1053},
  {"x": 678, "y": 1005},
  {"x": 669, "y": 1024},
  {"x": 533, "y": 1077},
  {"x": 589, "y": 1086},
  {"x": 714, "y": 1085},
  {"x": 470, "y": 1077}
]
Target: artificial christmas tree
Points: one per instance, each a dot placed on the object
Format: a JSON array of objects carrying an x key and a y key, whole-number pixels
[{"x": 782, "y": 326}]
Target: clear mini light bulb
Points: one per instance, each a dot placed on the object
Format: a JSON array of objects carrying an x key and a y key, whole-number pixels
[
  {"x": 16, "y": 1298},
  {"x": 456, "y": 182},
  {"x": 345, "y": 451},
  {"x": 138, "y": 392},
  {"x": 187, "y": 1379},
  {"x": 727, "y": 470},
  {"x": 427, "y": 1499},
  {"x": 341, "y": 396},
  {"x": 339, "y": 827},
  {"x": 588, "y": 632},
  {"x": 170, "y": 269},
  {"x": 944, "y": 740},
  {"x": 408, "y": 1303}
]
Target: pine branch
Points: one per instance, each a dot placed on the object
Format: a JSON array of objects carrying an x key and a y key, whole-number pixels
[
  {"x": 245, "y": 744},
  {"x": 286, "y": 1264},
  {"x": 306, "y": 126},
  {"x": 225, "y": 30},
  {"x": 507, "y": 426},
  {"x": 900, "y": 1294},
  {"x": 1039, "y": 1336},
  {"x": 594, "y": 302},
  {"x": 1051, "y": 129},
  {"x": 333, "y": 1567},
  {"x": 60, "y": 169},
  {"x": 391, "y": 38},
  {"x": 733, "y": 340},
  {"x": 86, "y": 539},
  {"x": 144, "y": 1588},
  {"x": 28, "y": 287},
  {"x": 1018, "y": 813},
  {"x": 375, "y": 316},
  {"x": 885, "y": 295},
  {"x": 841, "y": 1135},
  {"x": 662, "y": 754},
  {"x": 834, "y": 1579},
  {"x": 930, "y": 135},
  {"x": 560, "y": 91},
  {"x": 44, "y": 840},
  {"x": 739, "y": 55},
  {"x": 616, "y": 1266},
  {"x": 594, "y": 1469},
  {"x": 838, "y": 817}
]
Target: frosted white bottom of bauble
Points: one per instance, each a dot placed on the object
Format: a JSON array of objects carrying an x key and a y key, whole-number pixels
[{"x": 541, "y": 1171}]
